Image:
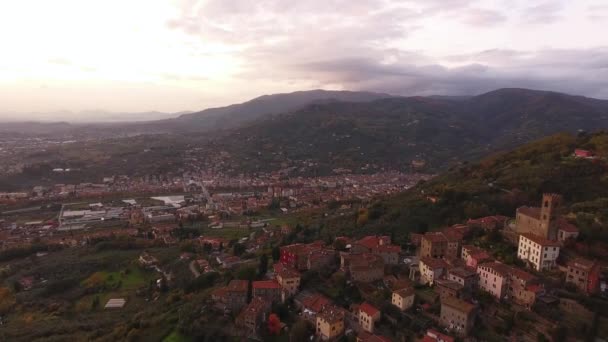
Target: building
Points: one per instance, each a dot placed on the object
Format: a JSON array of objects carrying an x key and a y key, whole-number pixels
[
  {"x": 584, "y": 274},
  {"x": 368, "y": 316},
  {"x": 539, "y": 221},
  {"x": 378, "y": 245},
  {"x": 431, "y": 269},
  {"x": 494, "y": 278},
  {"x": 311, "y": 305},
  {"x": 330, "y": 323},
  {"x": 488, "y": 222},
  {"x": 433, "y": 335},
  {"x": 364, "y": 267},
  {"x": 524, "y": 288},
  {"x": 234, "y": 295},
  {"x": 457, "y": 315},
  {"x": 367, "y": 337},
  {"x": 296, "y": 255},
  {"x": 445, "y": 244},
  {"x": 251, "y": 318},
  {"x": 269, "y": 290},
  {"x": 566, "y": 231},
  {"x": 540, "y": 253},
  {"x": 403, "y": 298},
  {"x": 321, "y": 259},
  {"x": 465, "y": 276},
  {"x": 434, "y": 245},
  {"x": 288, "y": 278},
  {"x": 449, "y": 288}
]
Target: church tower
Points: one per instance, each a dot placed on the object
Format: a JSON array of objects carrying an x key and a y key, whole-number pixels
[{"x": 548, "y": 215}]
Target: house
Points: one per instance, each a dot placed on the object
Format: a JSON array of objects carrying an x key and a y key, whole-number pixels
[
  {"x": 445, "y": 244},
  {"x": 368, "y": 316},
  {"x": 330, "y": 323},
  {"x": 269, "y": 290},
  {"x": 448, "y": 288},
  {"x": 488, "y": 222},
  {"x": 296, "y": 255},
  {"x": 403, "y": 298},
  {"x": 433, "y": 335},
  {"x": 539, "y": 221},
  {"x": 367, "y": 337},
  {"x": 288, "y": 278},
  {"x": 540, "y": 253},
  {"x": 566, "y": 231},
  {"x": 364, "y": 267},
  {"x": 311, "y": 305},
  {"x": 584, "y": 274},
  {"x": 378, "y": 245},
  {"x": 431, "y": 269},
  {"x": 457, "y": 315},
  {"x": 465, "y": 276},
  {"x": 251, "y": 318},
  {"x": 524, "y": 288},
  {"x": 494, "y": 278},
  {"x": 233, "y": 296},
  {"x": 320, "y": 259}
]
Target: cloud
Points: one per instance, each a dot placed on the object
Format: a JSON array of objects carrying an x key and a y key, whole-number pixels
[{"x": 544, "y": 13}]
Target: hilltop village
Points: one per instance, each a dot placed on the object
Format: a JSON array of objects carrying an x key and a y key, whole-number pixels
[{"x": 263, "y": 260}]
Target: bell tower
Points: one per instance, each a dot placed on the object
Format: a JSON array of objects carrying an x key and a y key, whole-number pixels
[{"x": 548, "y": 215}]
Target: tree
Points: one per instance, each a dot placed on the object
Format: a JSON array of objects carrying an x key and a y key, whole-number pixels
[
  {"x": 238, "y": 249},
  {"x": 301, "y": 331},
  {"x": 274, "y": 324},
  {"x": 276, "y": 253},
  {"x": 263, "y": 266},
  {"x": 7, "y": 300}
]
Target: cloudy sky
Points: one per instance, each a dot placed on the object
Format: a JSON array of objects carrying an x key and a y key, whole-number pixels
[{"x": 142, "y": 55}]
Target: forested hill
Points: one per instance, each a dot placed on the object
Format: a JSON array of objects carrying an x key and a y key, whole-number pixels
[{"x": 502, "y": 182}]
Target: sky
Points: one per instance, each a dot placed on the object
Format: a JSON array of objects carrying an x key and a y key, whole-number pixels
[{"x": 154, "y": 55}]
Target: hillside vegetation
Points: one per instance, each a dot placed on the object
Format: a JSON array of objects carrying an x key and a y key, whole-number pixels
[{"x": 502, "y": 182}]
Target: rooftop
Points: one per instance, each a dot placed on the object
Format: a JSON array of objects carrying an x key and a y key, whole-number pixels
[
  {"x": 369, "y": 309},
  {"x": 458, "y": 304},
  {"x": 266, "y": 284},
  {"x": 238, "y": 285},
  {"x": 331, "y": 314},
  {"x": 541, "y": 240},
  {"x": 433, "y": 263}
]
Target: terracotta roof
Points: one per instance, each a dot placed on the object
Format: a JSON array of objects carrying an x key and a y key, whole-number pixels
[
  {"x": 369, "y": 309},
  {"x": 434, "y": 237},
  {"x": 331, "y": 314},
  {"x": 316, "y": 302},
  {"x": 521, "y": 274},
  {"x": 541, "y": 240},
  {"x": 454, "y": 285},
  {"x": 458, "y": 304},
  {"x": 266, "y": 284},
  {"x": 238, "y": 285},
  {"x": 364, "y": 336},
  {"x": 405, "y": 292},
  {"x": 499, "y": 268},
  {"x": 582, "y": 263},
  {"x": 566, "y": 226},
  {"x": 433, "y": 263},
  {"x": 463, "y": 272},
  {"x": 285, "y": 271},
  {"x": 533, "y": 212}
]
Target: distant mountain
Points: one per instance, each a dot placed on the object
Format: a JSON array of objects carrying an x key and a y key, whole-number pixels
[
  {"x": 262, "y": 107},
  {"x": 393, "y": 132}
]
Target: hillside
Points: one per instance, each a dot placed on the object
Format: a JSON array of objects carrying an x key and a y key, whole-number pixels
[
  {"x": 500, "y": 183},
  {"x": 393, "y": 132},
  {"x": 259, "y": 108}
]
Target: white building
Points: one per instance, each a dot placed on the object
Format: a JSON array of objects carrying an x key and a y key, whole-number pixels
[{"x": 539, "y": 252}]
